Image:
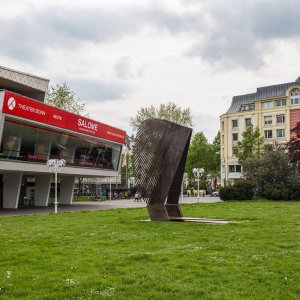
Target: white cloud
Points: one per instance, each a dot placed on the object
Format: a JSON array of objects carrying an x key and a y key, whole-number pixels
[{"x": 121, "y": 55}]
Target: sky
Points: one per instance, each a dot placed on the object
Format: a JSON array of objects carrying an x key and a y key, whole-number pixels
[{"x": 121, "y": 55}]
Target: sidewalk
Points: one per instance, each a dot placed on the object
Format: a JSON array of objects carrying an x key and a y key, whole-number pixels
[{"x": 96, "y": 205}]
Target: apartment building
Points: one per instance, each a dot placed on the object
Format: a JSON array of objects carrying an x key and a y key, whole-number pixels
[{"x": 273, "y": 109}]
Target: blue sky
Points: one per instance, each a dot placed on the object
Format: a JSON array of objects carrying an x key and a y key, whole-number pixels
[{"x": 120, "y": 55}]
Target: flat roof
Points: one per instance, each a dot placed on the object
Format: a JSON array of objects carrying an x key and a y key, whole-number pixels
[{"x": 23, "y": 83}]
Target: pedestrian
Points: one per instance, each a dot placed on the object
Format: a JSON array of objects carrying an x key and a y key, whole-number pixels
[{"x": 136, "y": 197}]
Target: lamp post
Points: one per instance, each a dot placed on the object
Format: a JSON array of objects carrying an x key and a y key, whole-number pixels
[
  {"x": 56, "y": 165},
  {"x": 198, "y": 173}
]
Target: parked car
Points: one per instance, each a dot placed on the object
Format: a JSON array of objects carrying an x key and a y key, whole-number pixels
[{"x": 215, "y": 193}]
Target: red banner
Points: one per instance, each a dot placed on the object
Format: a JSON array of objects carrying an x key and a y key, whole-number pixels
[{"x": 17, "y": 105}]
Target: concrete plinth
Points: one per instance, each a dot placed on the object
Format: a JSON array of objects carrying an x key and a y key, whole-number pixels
[
  {"x": 11, "y": 189},
  {"x": 42, "y": 189},
  {"x": 66, "y": 189}
]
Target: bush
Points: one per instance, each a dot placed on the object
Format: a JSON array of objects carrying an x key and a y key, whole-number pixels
[
  {"x": 272, "y": 175},
  {"x": 241, "y": 190}
]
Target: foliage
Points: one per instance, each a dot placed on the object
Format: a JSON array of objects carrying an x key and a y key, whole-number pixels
[
  {"x": 115, "y": 255},
  {"x": 61, "y": 96},
  {"x": 126, "y": 169},
  {"x": 201, "y": 155},
  {"x": 216, "y": 145},
  {"x": 272, "y": 175},
  {"x": 251, "y": 145},
  {"x": 168, "y": 111},
  {"x": 293, "y": 146},
  {"x": 240, "y": 190}
]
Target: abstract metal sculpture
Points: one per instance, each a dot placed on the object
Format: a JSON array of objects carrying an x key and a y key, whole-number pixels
[{"x": 159, "y": 154}]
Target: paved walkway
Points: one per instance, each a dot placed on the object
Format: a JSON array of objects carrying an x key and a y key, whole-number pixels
[{"x": 96, "y": 205}]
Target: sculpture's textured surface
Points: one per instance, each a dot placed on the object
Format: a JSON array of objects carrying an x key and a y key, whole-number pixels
[{"x": 160, "y": 153}]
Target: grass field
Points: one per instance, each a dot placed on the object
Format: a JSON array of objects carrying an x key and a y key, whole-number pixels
[{"x": 116, "y": 255}]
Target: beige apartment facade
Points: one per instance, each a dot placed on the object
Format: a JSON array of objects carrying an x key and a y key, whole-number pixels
[{"x": 273, "y": 109}]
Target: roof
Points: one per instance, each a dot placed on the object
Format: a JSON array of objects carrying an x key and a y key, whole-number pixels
[
  {"x": 23, "y": 83},
  {"x": 277, "y": 90}
]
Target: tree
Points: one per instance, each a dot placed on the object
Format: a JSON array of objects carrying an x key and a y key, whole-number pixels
[
  {"x": 61, "y": 96},
  {"x": 293, "y": 146},
  {"x": 201, "y": 155},
  {"x": 216, "y": 145},
  {"x": 168, "y": 111},
  {"x": 251, "y": 146},
  {"x": 272, "y": 175}
]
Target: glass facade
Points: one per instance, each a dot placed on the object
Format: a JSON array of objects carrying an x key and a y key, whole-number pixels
[{"x": 29, "y": 143}]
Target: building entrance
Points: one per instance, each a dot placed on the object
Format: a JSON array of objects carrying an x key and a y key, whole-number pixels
[{"x": 27, "y": 192}]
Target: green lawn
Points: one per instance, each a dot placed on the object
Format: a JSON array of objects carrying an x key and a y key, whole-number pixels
[{"x": 115, "y": 255}]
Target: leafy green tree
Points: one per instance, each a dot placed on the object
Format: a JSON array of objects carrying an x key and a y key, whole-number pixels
[
  {"x": 201, "y": 155},
  {"x": 251, "y": 146},
  {"x": 272, "y": 175},
  {"x": 61, "y": 96},
  {"x": 216, "y": 145},
  {"x": 168, "y": 111}
]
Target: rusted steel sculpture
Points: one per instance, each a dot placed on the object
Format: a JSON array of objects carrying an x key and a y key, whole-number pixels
[{"x": 160, "y": 153}]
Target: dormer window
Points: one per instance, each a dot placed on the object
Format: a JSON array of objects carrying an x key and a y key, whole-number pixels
[
  {"x": 295, "y": 96},
  {"x": 246, "y": 107}
]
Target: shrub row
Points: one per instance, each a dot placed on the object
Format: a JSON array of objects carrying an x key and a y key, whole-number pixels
[{"x": 241, "y": 190}]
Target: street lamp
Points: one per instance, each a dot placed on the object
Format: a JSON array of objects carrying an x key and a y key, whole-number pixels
[
  {"x": 56, "y": 165},
  {"x": 198, "y": 172}
]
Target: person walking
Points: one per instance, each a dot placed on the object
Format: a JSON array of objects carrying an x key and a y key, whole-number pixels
[{"x": 136, "y": 197}]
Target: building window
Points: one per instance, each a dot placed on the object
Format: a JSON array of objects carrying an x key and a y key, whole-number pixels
[
  {"x": 222, "y": 126},
  {"x": 280, "y": 133},
  {"x": 280, "y": 119},
  {"x": 295, "y": 96},
  {"x": 246, "y": 107},
  {"x": 248, "y": 121},
  {"x": 267, "y": 105},
  {"x": 295, "y": 101},
  {"x": 235, "y": 168},
  {"x": 268, "y": 120},
  {"x": 234, "y": 123},
  {"x": 238, "y": 168},
  {"x": 280, "y": 102},
  {"x": 30, "y": 143},
  {"x": 235, "y": 137},
  {"x": 268, "y": 134}
]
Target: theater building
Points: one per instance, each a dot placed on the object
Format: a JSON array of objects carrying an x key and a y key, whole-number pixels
[
  {"x": 274, "y": 109},
  {"x": 33, "y": 132}
]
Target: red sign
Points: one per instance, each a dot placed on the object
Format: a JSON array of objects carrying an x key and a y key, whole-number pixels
[{"x": 29, "y": 109}]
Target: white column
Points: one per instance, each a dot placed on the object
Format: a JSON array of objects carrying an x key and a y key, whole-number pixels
[
  {"x": 66, "y": 189},
  {"x": 11, "y": 189},
  {"x": 42, "y": 189}
]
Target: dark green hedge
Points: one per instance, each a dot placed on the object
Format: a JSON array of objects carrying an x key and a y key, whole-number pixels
[{"x": 240, "y": 190}]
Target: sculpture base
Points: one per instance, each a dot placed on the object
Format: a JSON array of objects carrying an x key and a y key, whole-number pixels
[
  {"x": 200, "y": 220},
  {"x": 174, "y": 211},
  {"x": 158, "y": 213}
]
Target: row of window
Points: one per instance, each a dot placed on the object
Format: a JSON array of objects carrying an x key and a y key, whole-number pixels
[
  {"x": 294, "y": 100},
  {"x": 268, "y": 120},
  {"x": 280, "y": 119},
  {"x": 235, "y": 123},
  {"x": 29, "y": 143},
  {"x": 280, "y": 133},
  {"x": 234, "y": 168}
]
